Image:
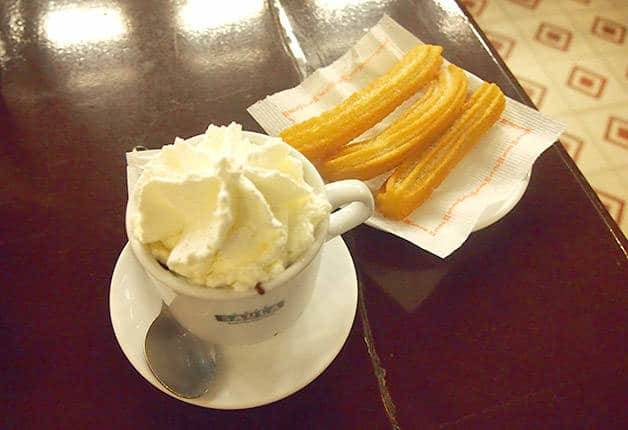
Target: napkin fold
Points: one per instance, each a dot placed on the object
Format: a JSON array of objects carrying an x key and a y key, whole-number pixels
[{"x": 487, "y": 181}]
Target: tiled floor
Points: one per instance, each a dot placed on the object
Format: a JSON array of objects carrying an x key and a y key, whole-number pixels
[{"x": 571, "y": 57}]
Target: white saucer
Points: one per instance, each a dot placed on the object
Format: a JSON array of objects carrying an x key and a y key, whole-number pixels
[
  {"x": 492, "y": 214},
  {"x": 250, "y": 375}
]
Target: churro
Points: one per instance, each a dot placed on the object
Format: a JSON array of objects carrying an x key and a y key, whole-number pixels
[
  {"x": 427, "y": 118},
  {"x": 320, "y": 136},
  {"x": 415, "y": 179}
]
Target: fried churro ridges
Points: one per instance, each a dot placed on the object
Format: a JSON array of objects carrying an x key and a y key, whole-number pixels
[
  {"x": 320, "y": 136},
  {"x": 415, "y": 179},
  {"x": 427, "y": 118}
]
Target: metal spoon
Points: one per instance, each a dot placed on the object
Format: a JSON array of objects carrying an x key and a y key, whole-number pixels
[{"x": 182, "y": 362}]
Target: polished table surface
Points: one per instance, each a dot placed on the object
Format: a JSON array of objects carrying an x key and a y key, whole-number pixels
[{"x": 524, "y": 326}]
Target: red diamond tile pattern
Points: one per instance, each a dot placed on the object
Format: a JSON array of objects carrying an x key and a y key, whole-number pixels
[
  {"x": 617, "y": 131},
  {"x": 503, "y": 44},
  {"x": 587, "y": 38},
  {"x": 572, "y": 144},
  {"x": 586, "y": 82},
  {"x": 530, "y": 4},
  {"x": 475, "y": 7},
  {"x": 614, "y": 205},
  {"x": 553, "y": 36},
  {"x": 534, "y": 90},
  {"x": 609, "y": 30}
]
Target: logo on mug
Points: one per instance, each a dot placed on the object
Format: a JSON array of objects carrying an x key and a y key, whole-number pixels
[{"x": 250, "y": 316}]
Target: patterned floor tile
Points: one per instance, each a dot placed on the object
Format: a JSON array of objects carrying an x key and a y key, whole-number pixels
[
  {"x": 570, "y": 56},
  {"x": 502, "y": 26},
  {"x": 552, "y": 36},
  {"x": 595, "y": 28},
  {"x": 617, "y": 3},
  {"x": 617, "y": 131},
  {"x": 539, "y": 86},
  {"x": 614, "y": 204},
  {"x": 590, "y": 160},
  {"x": 502, "y": 43},
  {"x": 534, "y": 89},
  {"x": 581, "y": 145},
  {"x": 612, "y": 194},
  {"x": 618, "y": 12},
  {"x": 519, "y": 9},
  {"x": 575, "y": 5},
  {"x": 608, "y": 130},
  {"x": 475, "y": 7},
  {"x": 622, "y": 172},
  {"x": 518, "y": 56},
  {"x": 485, "y": 11},
  {"x": 530, "y": 4},
  {"x": 619, "y": 67},
  {"x": 586, "y": 83},
  {"x": 573, "y": 144},
  {"x": 609, "y": 30}
]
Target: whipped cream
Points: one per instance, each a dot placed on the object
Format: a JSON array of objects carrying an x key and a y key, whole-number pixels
[{"x": 225, "y": 212}]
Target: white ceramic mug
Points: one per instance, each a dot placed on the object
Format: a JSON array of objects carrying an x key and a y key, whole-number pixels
[{"x": 225, "y": 316}]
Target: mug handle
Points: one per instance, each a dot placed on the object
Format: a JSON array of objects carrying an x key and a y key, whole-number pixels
[{"x": 360, "y": 205}]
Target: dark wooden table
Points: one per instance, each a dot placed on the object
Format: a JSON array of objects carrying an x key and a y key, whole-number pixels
[{"x": 524, "y": 327}]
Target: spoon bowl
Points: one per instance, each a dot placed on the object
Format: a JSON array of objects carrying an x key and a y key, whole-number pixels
[{"x": 181, "y": 361}]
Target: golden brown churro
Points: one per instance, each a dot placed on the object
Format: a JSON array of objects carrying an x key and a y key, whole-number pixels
[
  {"x": 427, "y": 118},
  {"x": 321, "y": 136},
  {"x": 415, "y": 179}
]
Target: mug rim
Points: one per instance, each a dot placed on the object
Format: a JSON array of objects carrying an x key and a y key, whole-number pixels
[{"x": 183, "y": 286}]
